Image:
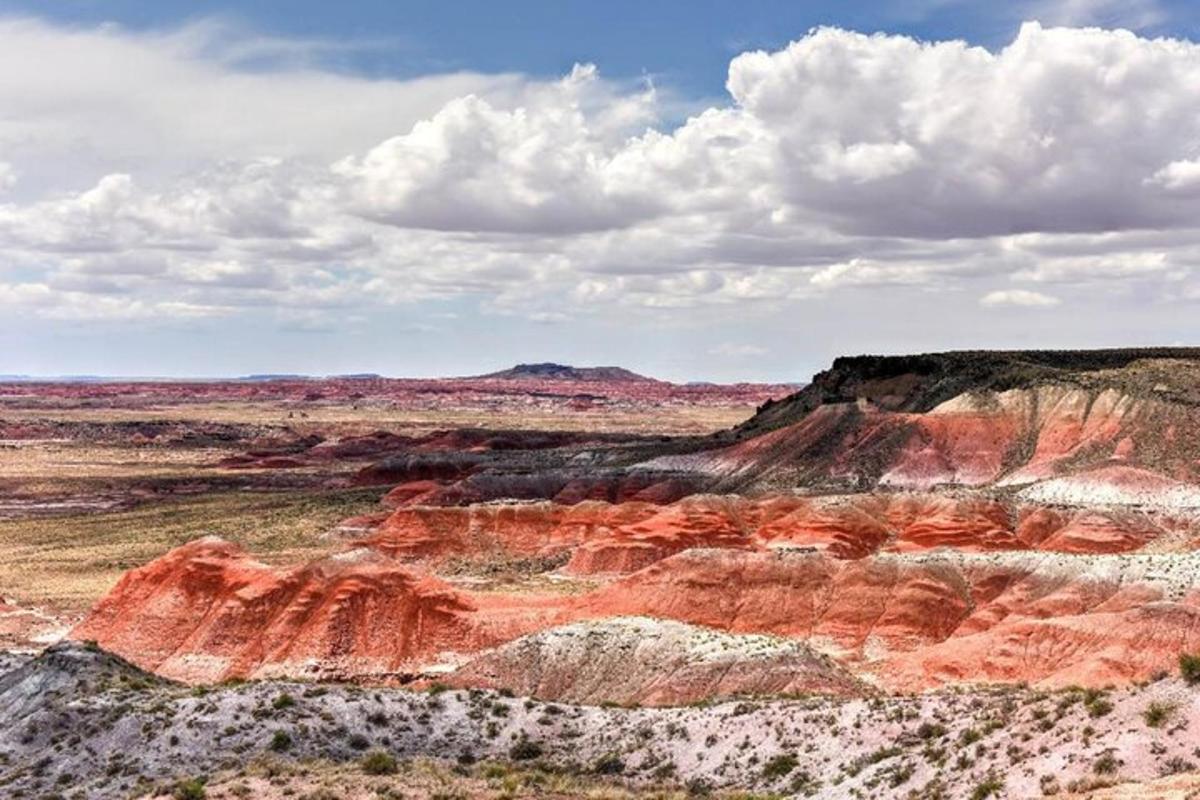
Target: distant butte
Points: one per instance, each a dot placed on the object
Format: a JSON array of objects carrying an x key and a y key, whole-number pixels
[{"x": 565, "y": 372}]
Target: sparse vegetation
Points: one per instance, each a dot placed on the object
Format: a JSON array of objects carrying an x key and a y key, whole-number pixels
[
  {"x": 1189, "y": 668},
  {"x": 780, "y": 766},
  {"x": 379, "y": 762},
  {"x": 525, "y": 750},
  {"x": 281, "y": 741},
  {"x": 991, "y": 786},
  {"x": 1157, "y": 713},
  {"x": 190, "y": 789}
]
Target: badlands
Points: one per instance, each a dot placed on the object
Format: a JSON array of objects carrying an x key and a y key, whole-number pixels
[{"x": 967, "y": 574}]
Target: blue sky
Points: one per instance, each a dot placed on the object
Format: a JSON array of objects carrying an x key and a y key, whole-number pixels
[
  {"x": 427, "y": 188},
  {"x": 687, "y": 43}
]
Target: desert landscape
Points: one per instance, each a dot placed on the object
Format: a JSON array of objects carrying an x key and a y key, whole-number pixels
[
  {"x": 965, "y": 574},
  {"x": 545, "y": 400}
]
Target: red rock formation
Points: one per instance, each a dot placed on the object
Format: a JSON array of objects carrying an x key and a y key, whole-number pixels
[
  {"x": 1067, "y": 444},
  {"x": 917, "y": 623},
  {"x": 1059, "y": 555},
  {"x": 206, "y": 611},
  {"x": 624, "y": 537}
]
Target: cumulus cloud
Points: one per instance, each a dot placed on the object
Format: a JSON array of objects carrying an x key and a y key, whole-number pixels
[
  {"x": 1018, "y": 297},
  {"x": 543, "y": 167},
  {"x": 159, "y": 176},
  {"x": 1178, "y": 176},
  {"x": 734, "y": 350}
]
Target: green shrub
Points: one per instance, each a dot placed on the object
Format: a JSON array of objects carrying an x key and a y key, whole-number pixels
[
  {"x": 525, "y": 750},
  {"x": 991, "y": 786},
  {"x": 930, "y": 730},
  {"x": 779, "y": 766},
  {"x": 1105, "y": 765},
  {"x": 280, "y": 741},
  {"x": 609, "y": 764},
  {"x": 379, "y": 762},
  {"x": 969, "y": 736},
  {"x": 1157, "y": 713},
  {"x": 190, "y": 789},
  {"x": 283, "y": 701},
  {"x": 1189, "y": 667}
]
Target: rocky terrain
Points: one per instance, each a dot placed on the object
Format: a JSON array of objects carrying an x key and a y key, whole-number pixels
[
  {"x": 80, "y": 723},
  {"x": 909, "y": 544}
]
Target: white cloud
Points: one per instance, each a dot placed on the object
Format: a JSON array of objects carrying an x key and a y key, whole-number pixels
[
  {"x": 156, "y": 170},
  {"x": 542, "y": 167},
  {"x": 734, "y": 350},
  {"x": 1115, "y": 266},
  {"x": 1018, "y": 297},
  {"x": 95, "y": 100},
  {"x": 1179, "y": 176}
]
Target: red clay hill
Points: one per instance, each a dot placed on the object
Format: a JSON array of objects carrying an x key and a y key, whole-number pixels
[{"x": 901, "y": 523}]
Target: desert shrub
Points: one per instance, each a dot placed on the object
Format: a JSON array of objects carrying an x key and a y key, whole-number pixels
[
  {"x": 280, "y": 741},
  {"x": 779, "y": 766},
  {"x": 359, "y": 742},
  {"x": 379, "y": 762},
  {"x": 525, "y": 750},
  {"x": 609, "y": 764},
  {"x": 930, "y": 730},
  {"x": 969, "y": 736},
  {"x": 190, "y": 789},
  {"x": 1175, "y": 766},
  {"x": 1157, "y": 713},
  {"x": 1189, "y": 667},
  {"x": 991, "y": 786},
  {"x": 1105, "y": 765}
]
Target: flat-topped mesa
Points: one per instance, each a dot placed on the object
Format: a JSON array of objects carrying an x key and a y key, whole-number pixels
[
  {"x": 919, "y": 383},
  {"x": 566, "y": 372}
]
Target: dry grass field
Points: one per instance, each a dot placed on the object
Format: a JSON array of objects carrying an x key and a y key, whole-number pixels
[
  {"x": 354, "y": 419},
  {"x": 317, "y": 780},
  {"x": 67, "y": 562}
]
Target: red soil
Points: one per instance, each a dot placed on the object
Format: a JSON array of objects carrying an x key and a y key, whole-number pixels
[
  {"x": 409, "y": 393},
  {"x": 624, "y": 537},
  {"x": 909, "y": 589},
  {"x": 1012, "y": 438},
  {"x": 207, "y": 611}
]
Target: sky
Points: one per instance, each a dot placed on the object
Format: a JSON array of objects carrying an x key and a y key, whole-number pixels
[{"x": 696, "y": 190}]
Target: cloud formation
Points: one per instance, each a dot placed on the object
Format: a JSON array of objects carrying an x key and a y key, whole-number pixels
[
  {"x": 1018, "y": 297},
  {"x": 842, "y": 163}
]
